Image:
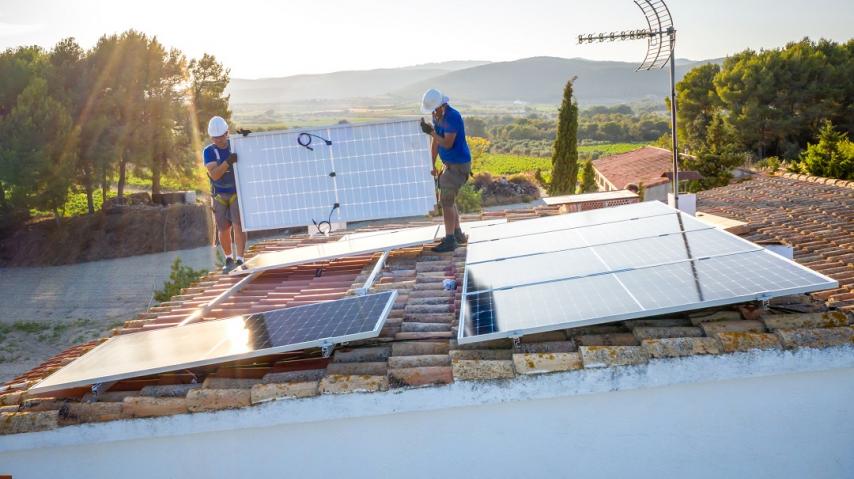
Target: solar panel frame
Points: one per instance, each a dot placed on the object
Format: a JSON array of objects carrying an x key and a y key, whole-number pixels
[
  {"x": 582, "y": 219},
  {"x": 824, "y": 282},
  {"x": 353, "y": 245},
  {"x": 356, "y": 172},
  {"x": 55, "y": 381},
  {"x": 640, "y": 312},
  {"x": 338, "y": 249}
]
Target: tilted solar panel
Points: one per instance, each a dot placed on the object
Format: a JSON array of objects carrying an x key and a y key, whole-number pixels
[
  {"x": 613, "y": 264},
  {"x": 212, "y": 342}
]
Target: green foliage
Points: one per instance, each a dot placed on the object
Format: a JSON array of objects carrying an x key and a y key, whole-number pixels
[
  {"x": 565, "y": 158},
  {"x": 698, "y": 102},
  {"x": 831, "y": 157},
  {"x": 478, "y": 147},
  {"x": 75, "y": 120},
  {"x": 774, "y": 100},
  {"x": 181, "y": 277},
  {"x": 75, "y": 205},
  {"x": 718, "y": 156},
  {"x": 587, "y": 178},
  {"x": 771, "y": 164},
  {"x": 469, "y": 200},
  {"x": 511, "y": 164},
  {"x": 207, "y": 92},
  {"x": 37, "y": 149}
]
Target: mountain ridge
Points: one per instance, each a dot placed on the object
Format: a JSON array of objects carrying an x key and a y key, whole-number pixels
[{"x": 530, "y": 80}]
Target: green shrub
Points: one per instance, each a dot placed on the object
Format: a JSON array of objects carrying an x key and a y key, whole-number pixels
[
  {"x": 469, "y": 200},
  {"x": 181, "y": 277},
  {"x": 76, "y": 204},
  {"x": 832, "y": 156},
  {"x": 771, "y": 164}
]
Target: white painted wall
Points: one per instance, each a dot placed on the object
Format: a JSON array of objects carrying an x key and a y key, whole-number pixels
[
  {"x": 657, "y": 192},
  {"x": 771, "y": 414}
]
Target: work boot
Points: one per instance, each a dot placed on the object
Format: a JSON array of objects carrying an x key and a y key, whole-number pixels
[
  {"x": 448, "y": 244},
  {"x": 229, "y": 265},
  {"x": 460, "y": 237}
]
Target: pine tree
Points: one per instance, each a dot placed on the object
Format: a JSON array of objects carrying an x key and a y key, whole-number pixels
[{"x": 565, "y": 156}]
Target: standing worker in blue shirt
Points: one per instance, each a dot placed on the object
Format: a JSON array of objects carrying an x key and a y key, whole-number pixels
[
  {"x": 448, "y": 136},
  {"x": 219, "y": 160}
]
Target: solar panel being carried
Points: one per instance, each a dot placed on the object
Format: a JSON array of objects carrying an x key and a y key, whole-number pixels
[
  {"x": 297, "y": 177},
  {"x": 609, "y": 265},
  {"x": 212, "y": 342}
]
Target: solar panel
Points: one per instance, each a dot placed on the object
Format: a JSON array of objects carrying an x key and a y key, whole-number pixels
[
  {"x": 632, "y": 294},
  {"x": 338, "y": 249},
  {"x": 569, "y": 221},
  {"x": 581, "y": 236},
  {"x": 372, "y": 171},
  {"x": 607, "y": 258},
  {"x": 466, "y": 227},
  {"x": 618, "y": 263},
  {"x": 350, "y": 245},
  {"x": 213, "y": 342}
]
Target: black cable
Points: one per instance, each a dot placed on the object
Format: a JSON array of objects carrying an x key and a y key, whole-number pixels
[
  {"x": 327, "y": 222},
  {"x": 304, "y": 139}
]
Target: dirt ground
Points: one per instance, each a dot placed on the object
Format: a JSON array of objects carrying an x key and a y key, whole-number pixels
[
  {"x": 46, "y": 310},
  {"x": 26, "y": 344}
]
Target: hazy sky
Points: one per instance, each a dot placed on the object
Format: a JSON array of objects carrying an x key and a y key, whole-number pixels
[{"x": 266, "y": 39}]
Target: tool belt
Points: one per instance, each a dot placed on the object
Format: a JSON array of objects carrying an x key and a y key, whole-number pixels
[{"x": 225, "y": 201}]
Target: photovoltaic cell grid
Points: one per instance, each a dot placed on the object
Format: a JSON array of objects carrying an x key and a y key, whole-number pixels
[
  {"x": 213, "y": 342},
  {"x": 371, "y": 171},
  {"x": 569, "y": 274}
]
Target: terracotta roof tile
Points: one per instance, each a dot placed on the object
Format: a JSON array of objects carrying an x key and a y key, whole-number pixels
[
  {"x": 416, "y": 347},
  {"x": 645, "y": 165}
]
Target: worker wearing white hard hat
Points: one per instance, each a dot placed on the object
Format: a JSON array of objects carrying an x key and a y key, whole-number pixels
[
  {"x": 219, "y": 161},
  {"x": 448, "y": 135}
]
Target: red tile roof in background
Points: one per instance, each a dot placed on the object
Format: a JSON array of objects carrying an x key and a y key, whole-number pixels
[{"x": 645, "y": 165}]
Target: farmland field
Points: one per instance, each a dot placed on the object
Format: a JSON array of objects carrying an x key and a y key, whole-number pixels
[{"x": 508, "y": 164}]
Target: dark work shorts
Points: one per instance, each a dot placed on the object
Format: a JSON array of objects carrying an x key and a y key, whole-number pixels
[{"x": 454, "y": 176}]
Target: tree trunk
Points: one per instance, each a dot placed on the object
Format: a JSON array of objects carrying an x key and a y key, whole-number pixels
[
  {"x": 56, "y": 216},
  {"x": 120, "y": 187},
  {"x": 156, "y": 168},
  {"x": 2, "y": 196},
  {"x": 90, "y": 198}
]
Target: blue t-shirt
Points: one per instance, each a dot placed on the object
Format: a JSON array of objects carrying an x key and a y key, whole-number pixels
[
  {"x": 453, "y": 123},
  {"x": 225, "y": 183}
]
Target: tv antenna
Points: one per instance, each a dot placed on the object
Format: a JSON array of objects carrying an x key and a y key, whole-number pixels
[{"x": 661, "y": 46}]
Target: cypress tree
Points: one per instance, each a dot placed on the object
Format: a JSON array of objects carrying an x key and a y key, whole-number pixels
[
  {"x": 565, "y": 156},
  {"x": 588, "y": 180}
]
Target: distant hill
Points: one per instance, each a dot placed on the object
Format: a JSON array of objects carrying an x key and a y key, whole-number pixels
[
  {"x": 541, "y": 80},
  {"x": 533, "y": 80},
  {"x": 338, "y": 85}
]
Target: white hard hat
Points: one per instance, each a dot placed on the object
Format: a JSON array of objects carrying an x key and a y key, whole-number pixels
[
  {"x": 217, "y": 126},
  {"x": 431, "y": 100}
]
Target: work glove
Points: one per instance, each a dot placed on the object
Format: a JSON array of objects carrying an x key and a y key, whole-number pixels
[
  {"x": 426, "y": 127},
  {"x": 232, "y": 159}
]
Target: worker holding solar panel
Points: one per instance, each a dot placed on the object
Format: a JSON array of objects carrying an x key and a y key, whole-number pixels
[
  {"x": 219, "y": 160},
  {"x": 448, "y": 136}
]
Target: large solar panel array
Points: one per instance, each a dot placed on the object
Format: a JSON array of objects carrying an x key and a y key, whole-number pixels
[
  {"x": 371, "y": 171},
  {"x": 213, "y": 342},
  {"x": 619, "y": 263}
]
